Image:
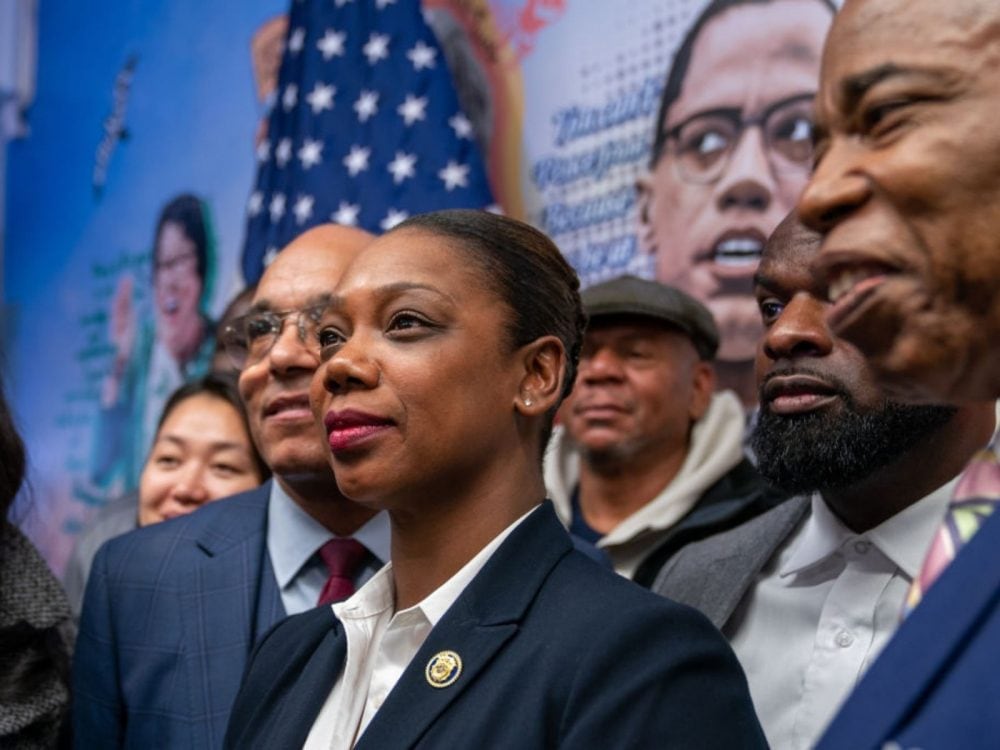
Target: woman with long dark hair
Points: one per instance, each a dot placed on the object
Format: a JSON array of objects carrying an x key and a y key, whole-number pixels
[
  {"x": 35, "y": 629},
  {"x": 445, "y": 351}
]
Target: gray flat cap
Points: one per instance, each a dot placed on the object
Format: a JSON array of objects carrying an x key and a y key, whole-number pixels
[{"x": 632, "y": 296}]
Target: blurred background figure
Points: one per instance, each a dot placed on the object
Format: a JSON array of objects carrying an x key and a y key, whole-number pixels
[
  {"x": 35, "y": 628},
  {"x": 152, "y": 359},
  {"x": 238, "y": 306},
  {"x": 202, "y": 452},
  {"x": 730, "y": 155}
]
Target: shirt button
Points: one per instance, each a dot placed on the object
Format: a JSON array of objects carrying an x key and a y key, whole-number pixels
[
  {"x": 844, "y": 639},
  {"x": 862, "y": 547}
]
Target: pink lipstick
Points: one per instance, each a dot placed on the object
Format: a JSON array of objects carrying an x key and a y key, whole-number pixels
[{"x": 350, "y": 428}]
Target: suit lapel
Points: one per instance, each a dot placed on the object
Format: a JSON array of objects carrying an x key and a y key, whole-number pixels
[
  {"x": 308, "y": 690},
  {"x": 750, "y": 553},
  {"x": 483, "y": 619},
  {"x": 219, "y": 605},
  {"x": 925, "y": 645}
]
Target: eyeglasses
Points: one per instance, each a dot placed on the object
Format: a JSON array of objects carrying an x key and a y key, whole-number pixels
[
  {"x": 249, "y": 338},
  {"x": 702, "y": 145}
]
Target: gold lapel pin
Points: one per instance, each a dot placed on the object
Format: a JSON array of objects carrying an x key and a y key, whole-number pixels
[{"x": 443, "y": 669}]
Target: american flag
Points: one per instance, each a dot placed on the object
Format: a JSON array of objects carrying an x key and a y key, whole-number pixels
[{"x": 366, "y": 128}]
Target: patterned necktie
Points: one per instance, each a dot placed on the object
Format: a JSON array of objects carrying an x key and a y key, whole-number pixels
[
  {"x": 344, "y": 559},
  {"x": 977, "y": 494}
]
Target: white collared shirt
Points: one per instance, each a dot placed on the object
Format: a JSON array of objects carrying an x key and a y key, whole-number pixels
[
  {"x": 293, "y": 539},
  {"x": 822, "y": 610},
  {"x": 381, "y": 644}
]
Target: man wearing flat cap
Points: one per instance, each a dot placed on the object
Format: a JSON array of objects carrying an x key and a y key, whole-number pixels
[{"x": 647, "y": 457}]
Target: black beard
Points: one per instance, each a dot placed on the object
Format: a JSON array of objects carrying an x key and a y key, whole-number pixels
[{"x": 834, "y": 449}]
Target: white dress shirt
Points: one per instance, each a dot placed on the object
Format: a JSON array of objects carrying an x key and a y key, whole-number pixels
[
  {"x": 293, "y": 539},
  {"x": 822, "y": 610},
  {"x": 380, "y": 645}
]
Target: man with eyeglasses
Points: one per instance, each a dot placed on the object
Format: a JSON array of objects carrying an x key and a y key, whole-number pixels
[
  {"x": 172, "y": 610},
  {"x": 731, "y": 153}
]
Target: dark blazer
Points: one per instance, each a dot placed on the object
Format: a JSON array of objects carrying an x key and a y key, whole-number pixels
[
  {"x": 936, "y": 685},
  {"x": 714, "y": 575},
  {"x": 170, "y": 615},
  {"x": 556, "y": 651}
]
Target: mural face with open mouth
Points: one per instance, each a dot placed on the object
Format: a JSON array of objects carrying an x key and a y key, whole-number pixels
[
  {"x": 735, "y": 157},
  {"x": 177, "y": 286}
]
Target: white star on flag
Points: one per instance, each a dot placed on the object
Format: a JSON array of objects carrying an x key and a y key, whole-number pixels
[
  {"x": 270, "y": 255},
  {"x": 412, "y": 109},
  {"x": 402, "y": 166},
  {"x": 454, "y": 175},
  {"x": 277, "y": 207},
  {"x": 332, "y": 44},
  {"x": 296, "y": 39},
  {"x": 461, "y": 125},
  {"x": 393, "y": 218},
  {"x": 357, "y": 160},
  {"x": 256, "y": 203},
  {"x": 283, "y": 152},
  {"x": 376, "y": 48},
  {"x": 364, "y": 146},
  {"x": 422, "y": 56},
  {"x": 321, "y": 97},
  {"x": 346, "y": 214},
  {"x": 303, "y": 208},
  {"x": 367, "y": 105},
  {"x": 290, "y": 97},
  {"x": 311, "y": 153}
]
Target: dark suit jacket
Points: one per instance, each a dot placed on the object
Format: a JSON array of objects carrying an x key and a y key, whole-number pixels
[
  {"x": 936, "y": 685},
  {"x": 714, "y": 575},
  {"x": 556, "y": 651},
  {"x": 169, "y": 618}
]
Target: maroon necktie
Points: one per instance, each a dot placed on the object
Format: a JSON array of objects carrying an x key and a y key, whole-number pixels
[{"x": 343, "y": 559}]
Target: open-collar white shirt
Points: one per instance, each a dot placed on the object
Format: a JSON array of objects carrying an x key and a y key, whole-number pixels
[
  {"x": 380, "y": 645},
  {"x": 823, "y": 609}
]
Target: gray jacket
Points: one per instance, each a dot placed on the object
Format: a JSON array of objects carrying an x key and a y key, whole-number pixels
[{"x": 714, "y": 575}]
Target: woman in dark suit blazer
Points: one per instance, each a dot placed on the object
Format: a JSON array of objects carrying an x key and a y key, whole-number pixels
[{"x": 446, "y": 350}]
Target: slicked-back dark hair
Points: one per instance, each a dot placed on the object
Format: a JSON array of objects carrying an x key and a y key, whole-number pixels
[
  {"x": 682, "y": 61},
  {"x": 221, "y": 385},
  {"x": 527, "y": 271}
]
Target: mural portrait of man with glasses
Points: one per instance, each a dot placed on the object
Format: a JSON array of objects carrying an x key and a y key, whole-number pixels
[{"x": 730, "y": 155}]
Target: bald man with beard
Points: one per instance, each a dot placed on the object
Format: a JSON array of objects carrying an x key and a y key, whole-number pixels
[
  {"x": 809, "y": 593},
  {"x": 172, "y": 610},
  {"x": 906, "y": 192}
]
